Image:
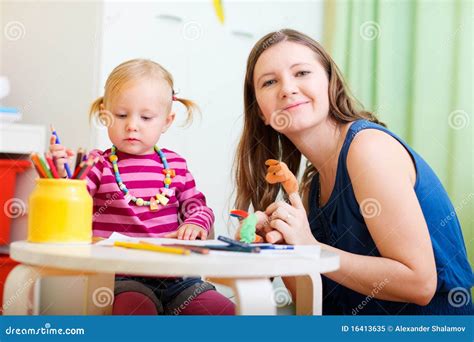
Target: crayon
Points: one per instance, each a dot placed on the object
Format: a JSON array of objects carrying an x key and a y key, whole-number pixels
[
  {"x": 50, "y": 161},
  {"x": 66, "y": 165}
]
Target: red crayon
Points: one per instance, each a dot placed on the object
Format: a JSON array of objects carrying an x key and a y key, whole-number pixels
[
  {"x": 85, "y": 170},
  {"x": 49, "y": 160},
  {"x": 78, "y": 168},
  {"x": 79, "y": 155}
]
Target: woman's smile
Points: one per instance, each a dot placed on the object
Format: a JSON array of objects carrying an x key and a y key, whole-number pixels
[{"x": 296, "y": 105}]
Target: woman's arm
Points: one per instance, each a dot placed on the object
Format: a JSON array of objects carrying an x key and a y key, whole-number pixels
[{"x": 382, "y": 175}]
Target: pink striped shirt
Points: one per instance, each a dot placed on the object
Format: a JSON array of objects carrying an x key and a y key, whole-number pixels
[{"x": 142, "y": 174}]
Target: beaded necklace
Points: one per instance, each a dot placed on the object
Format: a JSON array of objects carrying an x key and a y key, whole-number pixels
[{"x": 160, "y": 198}]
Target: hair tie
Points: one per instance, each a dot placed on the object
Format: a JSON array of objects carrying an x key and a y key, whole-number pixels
[{"x": 174, "y": 98}]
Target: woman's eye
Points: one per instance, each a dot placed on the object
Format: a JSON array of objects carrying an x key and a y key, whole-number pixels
[
  {"x": 302, "y": 73},
  {"x": 268, "y": 83}
]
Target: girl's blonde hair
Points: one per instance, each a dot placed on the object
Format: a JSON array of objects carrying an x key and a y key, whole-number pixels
[
  {"x": 136, "y": 70},
  {"x": 260, "y": 142}
]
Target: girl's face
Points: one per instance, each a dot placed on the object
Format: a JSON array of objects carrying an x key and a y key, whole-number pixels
[
  {"x": 291, "y": 87},
  {"x": 141, "y": 113}
]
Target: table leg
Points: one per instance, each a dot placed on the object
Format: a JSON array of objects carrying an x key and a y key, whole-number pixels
[
  {"x": 254, "y": 296},
  {"x": 309, "y": 295},
  {"x": 28, "y": 288}
]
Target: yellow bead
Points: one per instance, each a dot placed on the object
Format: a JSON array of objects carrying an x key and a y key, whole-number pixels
[
  {"x": 139, "y": 202},
  {"x": 113, "y": 158},
  {"x": 167, "y": 180},
  {"x": 153, "y": 204},
  {"x": 162, "y": 199}
]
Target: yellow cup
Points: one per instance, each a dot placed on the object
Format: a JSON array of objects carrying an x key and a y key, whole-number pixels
[{"x": 60, "y": 211}]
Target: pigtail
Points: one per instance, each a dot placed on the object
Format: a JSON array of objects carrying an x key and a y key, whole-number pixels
[
  {"x": 99, "y": 114},
  {"x": 191, "y": 109},
  {"x": 95, "y": 107}
]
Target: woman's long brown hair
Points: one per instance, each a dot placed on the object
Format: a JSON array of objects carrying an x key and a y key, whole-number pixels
[{"x": 260, "y": 142}]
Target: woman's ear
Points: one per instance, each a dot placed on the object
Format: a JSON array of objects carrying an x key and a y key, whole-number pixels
[{"x": 169, "y": 120}]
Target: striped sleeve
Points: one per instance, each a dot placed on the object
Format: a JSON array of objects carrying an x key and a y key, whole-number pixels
[
  {"x": 193, "y": 208},
  {"x": 94, "y": 176}
]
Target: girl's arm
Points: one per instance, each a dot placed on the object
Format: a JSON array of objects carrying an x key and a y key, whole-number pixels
[
  {"x": 94, "y": 175},
  {"x": 382, "y": 175},
  {"x": 60, "y": 154},
  {"x": 193, "y": 207}
]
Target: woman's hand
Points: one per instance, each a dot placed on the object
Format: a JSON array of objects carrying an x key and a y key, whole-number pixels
[
  {"x": 291, "y": 221},
  {"x": 60, "y": 155},
  {"x": 261, "y": 220},
  {"x": 188, "y": 232},
  {"x": 263, "y": 229}
]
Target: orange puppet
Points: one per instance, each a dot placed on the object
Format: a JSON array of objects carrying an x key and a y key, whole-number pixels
[{"x": 278, "y": 172}]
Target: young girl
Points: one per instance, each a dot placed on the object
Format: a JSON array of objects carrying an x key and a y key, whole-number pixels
[
  {"x": 369, "y": 197},
  {"x": 143, "y": 191}
]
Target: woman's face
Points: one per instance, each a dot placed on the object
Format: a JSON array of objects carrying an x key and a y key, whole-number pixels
[{"x": 291, "y": 87}]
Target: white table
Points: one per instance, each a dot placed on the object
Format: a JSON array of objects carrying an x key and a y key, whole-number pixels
[{"x": 90, "y": 270}]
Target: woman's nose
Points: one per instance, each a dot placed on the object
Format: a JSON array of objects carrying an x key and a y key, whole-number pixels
[{"x": 287, "y": 88}]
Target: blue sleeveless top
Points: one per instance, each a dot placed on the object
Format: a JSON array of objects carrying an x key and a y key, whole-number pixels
[{"x": 340, "y": 224}]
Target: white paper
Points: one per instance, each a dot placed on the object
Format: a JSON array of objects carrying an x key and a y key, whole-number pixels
[
  {"x": 158, "y": 241},
  {"x": 306, "y": 251}
]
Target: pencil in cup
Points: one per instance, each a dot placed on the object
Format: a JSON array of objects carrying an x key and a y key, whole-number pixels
[
  {"x": 49, "y": 159},
  {"x": 78, "y": 168},
  {"x": 66, "y": 165},
  {"x": 80, "y": 154},
  {"x": 86, "y": 167},
  {"x": 37, "y": 164}
]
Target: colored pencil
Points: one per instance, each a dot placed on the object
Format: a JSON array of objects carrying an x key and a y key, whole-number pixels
[
  {"x": 80, "y": 153},
  {"x": 50, "y": 161},
  {"x": 66, "y": 165},
  {"x": 44, "y": 167},
  {"x": 233, "y": 242},
  {"x": 37, "y": 164},
  {"x": 151, "y": 247},
  {"x": 79, "y": 168},
  {"x": 233, "y": 248},
  {"x": 85, "y": 170},
  {"x": 194, "y": 249}
]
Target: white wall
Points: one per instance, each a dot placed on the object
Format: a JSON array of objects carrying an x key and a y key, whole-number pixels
[
  {"x": 60, "y": 64},
  {"x": 208, "y": 62},
  {"x": 50, "y": 58}
]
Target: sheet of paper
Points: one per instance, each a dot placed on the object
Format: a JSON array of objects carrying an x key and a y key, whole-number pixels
[
  {"x": 159, "y": 241},
  {"x": 310, "y": 251}
]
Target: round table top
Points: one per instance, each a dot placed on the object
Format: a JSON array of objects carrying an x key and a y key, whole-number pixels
[{"x": 302, "y": 260}]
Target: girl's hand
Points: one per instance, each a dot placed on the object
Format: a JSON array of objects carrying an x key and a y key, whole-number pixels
[
  {"x": 188, "y": 232},
  {"x": 291, "y": 221},
  {"x": 60, "y": 155}
]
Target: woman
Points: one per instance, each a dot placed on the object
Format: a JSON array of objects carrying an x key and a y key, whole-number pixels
[{"x": 369, "y": 197}]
